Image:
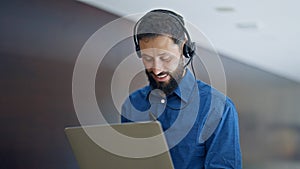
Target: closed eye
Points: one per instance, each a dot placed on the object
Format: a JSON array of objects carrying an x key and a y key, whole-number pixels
[
  {"x": 147, "y": 58},
  {"x": 166, "y": 58}
]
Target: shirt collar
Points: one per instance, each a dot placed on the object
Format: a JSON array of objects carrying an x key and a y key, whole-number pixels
[{"x": 186, "y": 86}]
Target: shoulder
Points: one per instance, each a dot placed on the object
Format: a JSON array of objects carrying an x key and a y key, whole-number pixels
[
  {"x": 216, "y": 98},
  {"x": 208, "y": 90}
]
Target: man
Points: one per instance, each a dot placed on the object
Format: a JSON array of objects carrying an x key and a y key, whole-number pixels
[{"x": 200, "y": 123}]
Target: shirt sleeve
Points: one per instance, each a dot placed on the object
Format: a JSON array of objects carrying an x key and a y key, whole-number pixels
[
  {"x": 124, "y": 110},
  {"x": 223, "y": 147}
]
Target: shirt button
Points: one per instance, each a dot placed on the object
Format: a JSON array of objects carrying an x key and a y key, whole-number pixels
[{"x": 162, "y": 101}]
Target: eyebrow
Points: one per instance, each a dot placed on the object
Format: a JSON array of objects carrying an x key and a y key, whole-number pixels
[{"x": 145, "y": 55}]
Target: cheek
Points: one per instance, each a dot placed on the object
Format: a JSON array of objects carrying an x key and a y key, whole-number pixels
[
  {"x": 172, "y": 66},
  {"x": 147, "y": 65}
]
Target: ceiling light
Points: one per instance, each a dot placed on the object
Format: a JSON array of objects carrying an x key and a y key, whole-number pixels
[
  {"x": 225, "y": 9},
  {"x": 248, "y": 25}
]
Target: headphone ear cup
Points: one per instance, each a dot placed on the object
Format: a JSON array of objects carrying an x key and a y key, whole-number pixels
[
  {"x": 138, "y": 51},
  {"x": 189, "y": 49},
  {"x": 185, "y": 50},
  {"x": 139, "y": 54},
  {"x": 192, "y": 49}
]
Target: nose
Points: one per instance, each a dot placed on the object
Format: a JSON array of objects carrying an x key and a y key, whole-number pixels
[{"x": 157, "y": 66}]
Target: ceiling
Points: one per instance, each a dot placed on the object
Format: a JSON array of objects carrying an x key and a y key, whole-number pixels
[{"x": 261, "y": 33}]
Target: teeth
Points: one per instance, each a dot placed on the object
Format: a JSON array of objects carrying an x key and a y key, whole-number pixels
[{"x": 162, "y": 76}]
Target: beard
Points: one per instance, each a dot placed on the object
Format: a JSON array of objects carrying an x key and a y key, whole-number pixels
[{"x": 169, "y": 86}]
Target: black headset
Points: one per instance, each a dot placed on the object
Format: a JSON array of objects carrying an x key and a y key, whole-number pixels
[{"x": 189, "y": 47}]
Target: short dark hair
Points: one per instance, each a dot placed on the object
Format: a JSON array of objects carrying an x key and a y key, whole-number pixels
[{"x": 161, "y": 22}]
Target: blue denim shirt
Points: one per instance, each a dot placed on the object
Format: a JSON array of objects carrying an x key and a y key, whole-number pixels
[{"x": 200, "y": 124}]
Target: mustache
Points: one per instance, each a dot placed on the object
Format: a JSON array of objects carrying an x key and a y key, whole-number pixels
[{"x": 161, "y": 73}]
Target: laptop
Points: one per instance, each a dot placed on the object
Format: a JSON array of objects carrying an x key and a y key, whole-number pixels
[{"x": 120, "y": 146}]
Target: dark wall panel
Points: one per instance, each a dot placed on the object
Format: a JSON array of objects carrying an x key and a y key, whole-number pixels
[{"x": 40, "y": 41}]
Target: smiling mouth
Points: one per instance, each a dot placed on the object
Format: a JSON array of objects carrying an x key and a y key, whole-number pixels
[{"x": 161, "y": 77}]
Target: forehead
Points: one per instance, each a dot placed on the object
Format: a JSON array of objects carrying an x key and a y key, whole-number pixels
[{"x": 158, "y": 42}]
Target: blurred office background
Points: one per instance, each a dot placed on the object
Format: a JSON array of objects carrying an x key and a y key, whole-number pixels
[{"x": 39, "y": 44}]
